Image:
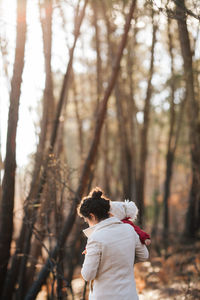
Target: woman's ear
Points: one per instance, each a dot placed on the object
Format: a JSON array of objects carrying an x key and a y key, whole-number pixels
[{"x": 92, "y": 217}]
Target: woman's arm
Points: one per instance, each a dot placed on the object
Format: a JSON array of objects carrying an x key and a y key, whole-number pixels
[
  {"x": 92, "y": 260},
  {"x": 141, "y": 252}
]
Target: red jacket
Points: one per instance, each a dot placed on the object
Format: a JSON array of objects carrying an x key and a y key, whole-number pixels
[{"x": 142, "y": 234}]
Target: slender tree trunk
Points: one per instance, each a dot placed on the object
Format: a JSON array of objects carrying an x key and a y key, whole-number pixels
[
  {"x": 106, "y": 167},
  {"x": 156, "y": 184},
  {"x": 78, "y": 118},
  {"x": 1, "y": 167},
  {"x": 192, "y": 218},
  {"x": 52, "y": 139},
  {"x": 8, "y": 187},
  {"x": 170, "y": 153},
  {"x": 48, "y": 109},
  {"x": 172, "y": 141},
  {"x": 97, "y": 43},
  {"x": 49, "y": 101},
  {"x": 88, "y": 163},
  {"x": 144, "y": 135},
  {"x": 125, "y": 153},
  {"x": 106, "y": 181},
  {"x": 132, "y": 116},
  {"x": 60, "y": 263},
  {"x": 169, "y": 166}
]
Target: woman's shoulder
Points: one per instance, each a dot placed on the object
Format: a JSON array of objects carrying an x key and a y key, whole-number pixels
[{"x": 114, "y": 232}]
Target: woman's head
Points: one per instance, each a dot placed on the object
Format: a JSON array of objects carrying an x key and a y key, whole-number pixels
[{"x": 94, "y": 207}]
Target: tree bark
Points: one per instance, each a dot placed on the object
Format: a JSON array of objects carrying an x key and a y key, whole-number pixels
[
  {"x": 88, "y": 164},
  {"x": 78, "y": 118},
  {"x": 132, "y": 110},
  {"x": 192, "y": 222},
  {"x": 144, "y": 135},
  {"x": 106, "y": 162},
  {"x": 47, "y": 119},
  {"x": 170, "y": 152},
  {"x": 61, "y": 102},
  {"x": 1, "y": 168},
  {"x": 125, "y": 152},
  {"x": 8, "y": 186},
  {"x": 98, "y": 59}
]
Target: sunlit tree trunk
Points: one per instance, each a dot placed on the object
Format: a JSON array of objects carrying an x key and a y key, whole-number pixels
[
  {"x": 88, "y": 163},
  {"x": 144, "y": 134},
  {"x": 170, "y": 152},
  {"x": 192, "y": 218},
  {"x": 132, "y": 110},
  {"x": 98, "y": 55},
  {"x": 47, "y": 120},
  {"x": 46, "y": 11},
  {"x": 106, "y": 167},
  {"x": 125, "y": 152},
  {"x": 174, "y": 132},
  {"x": 8, "y": 186},
  {"x": 78, "y": 117},
  {"x": 156, "y": 189},
  {"x": 106, "y": 173},
  {"x": 1, "y": 167},
  {"x": 55, "y": 126}
]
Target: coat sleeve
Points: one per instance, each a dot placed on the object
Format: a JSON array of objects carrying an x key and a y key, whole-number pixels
[
  {"x": 141, "y": 252},
  {"x": 92, "y": 260}
]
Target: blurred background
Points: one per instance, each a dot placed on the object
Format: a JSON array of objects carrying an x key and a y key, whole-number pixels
[{"x": 98, "y": 93}]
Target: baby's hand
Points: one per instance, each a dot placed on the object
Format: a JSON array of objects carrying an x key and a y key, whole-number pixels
[
  {"x": 84, "y": 252},
  {"x": 147, "y": 242}
]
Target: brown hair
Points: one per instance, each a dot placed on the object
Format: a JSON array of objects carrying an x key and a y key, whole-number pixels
[{"x": 96, "y": 203}]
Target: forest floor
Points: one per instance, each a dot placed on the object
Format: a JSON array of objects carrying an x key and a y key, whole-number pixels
[{"x": 175, "y": 275}]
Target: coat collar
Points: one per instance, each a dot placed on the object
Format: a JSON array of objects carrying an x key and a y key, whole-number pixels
[{"x": 107, "y": 222}]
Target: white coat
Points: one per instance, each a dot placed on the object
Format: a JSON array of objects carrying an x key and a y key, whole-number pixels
[{"x": 109, "y": 262}]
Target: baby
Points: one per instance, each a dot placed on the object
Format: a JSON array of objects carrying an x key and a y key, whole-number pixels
[{"x": 127, "y": 212}]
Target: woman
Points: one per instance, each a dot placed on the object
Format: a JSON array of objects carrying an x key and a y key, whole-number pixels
[{"x": 111, "y": 251}]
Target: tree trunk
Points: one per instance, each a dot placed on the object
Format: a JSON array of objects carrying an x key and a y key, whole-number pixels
[
  {"x": 106, "y": 167},
  {"x": 125, "y": 152},
  {"x": 144, "y": 135},
  {"x": 132, "y": 110},
  {"x": 1, "y": 168},
  {"x": 98, "y": 59},
  {"x": 192, "y": 219},
  {"x": 49, "y": 101},
  {"x": 78, "y": 118},
  {"x": 8, "y": 186},
  {"x": 88, "y": 164},
  {"x": 48, "y": 109},
  {"x": 170, "y": 153}
]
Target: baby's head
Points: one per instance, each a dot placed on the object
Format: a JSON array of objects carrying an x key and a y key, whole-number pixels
[{"x": 122, "y": 210}]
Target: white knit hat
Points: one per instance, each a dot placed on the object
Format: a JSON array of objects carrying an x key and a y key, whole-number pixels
[{"x": 122, "y": 210}]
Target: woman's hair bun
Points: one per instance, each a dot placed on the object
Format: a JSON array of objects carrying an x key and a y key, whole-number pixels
[{"x": 97, "y": 194}]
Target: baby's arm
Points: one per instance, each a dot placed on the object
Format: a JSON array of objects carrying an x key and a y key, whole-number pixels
[{"x": 144, "y": 237}]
